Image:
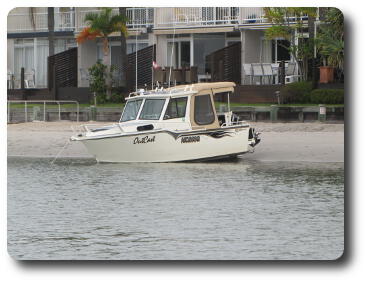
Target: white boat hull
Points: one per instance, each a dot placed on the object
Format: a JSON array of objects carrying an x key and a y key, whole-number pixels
[{"x": 165, "y": 146}]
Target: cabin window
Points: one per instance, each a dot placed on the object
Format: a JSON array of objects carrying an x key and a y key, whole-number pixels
[
  {"x": 131, "y": 110},
  {"x": 176, "y": 108},
  {"x": 203, "y": 110},
  {"x": 152, "y": 109}
]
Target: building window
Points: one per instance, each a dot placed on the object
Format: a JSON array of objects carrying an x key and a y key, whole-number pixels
[
  {"x": 203, "y": 110},
  {"x": 280, "y": 51},
  {"x": 31, "y": 54},
  {"x": 204, "y": 44}
]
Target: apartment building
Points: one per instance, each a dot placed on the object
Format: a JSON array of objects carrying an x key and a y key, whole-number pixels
[{"x": 183, "y": 37}]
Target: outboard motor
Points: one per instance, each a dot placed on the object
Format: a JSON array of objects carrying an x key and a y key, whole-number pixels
[{"x": 253, "y": 137}]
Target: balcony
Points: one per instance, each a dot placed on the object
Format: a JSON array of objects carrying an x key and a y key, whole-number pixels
[
  {"x": 73, "y": 20},
  {"x": 138, "y": 17},
  {"x": 38, "y": 22},
  {"x": 206, "y": 16}
]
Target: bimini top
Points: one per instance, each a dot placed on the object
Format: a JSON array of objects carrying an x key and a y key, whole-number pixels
[{"x": 216, "y": 87}]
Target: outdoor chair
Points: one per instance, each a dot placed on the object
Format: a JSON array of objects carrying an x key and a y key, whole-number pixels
[
  {"x": 268, "y": 72},
  {"x": 248, "y": 72},
  {"x": 29, "y": 79},
  {"x": 275, "y": 68},
  {"x": 84, "y": 75},
  {"x": 10, "y": 80},
  {"x": 116, "y": 77},
  {"x": 194, "y": 74},
  {"x": 177, "y": 77},
  {"x": 290, "y": 74},
  {"x": 159, "y": 75},
  {"x": 169, "y": 75},
  {"x": 257, "y": 71}
]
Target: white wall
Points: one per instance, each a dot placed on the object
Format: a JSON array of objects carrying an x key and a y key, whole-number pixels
[
  {"x": 10, "y": 55},
  {"x": 87, "y": 57},
  {"x": 250, "y": 49},
  {"x": 161, "y": 41}
]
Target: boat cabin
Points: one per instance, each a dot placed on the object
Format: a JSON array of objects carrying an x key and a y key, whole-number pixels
[{"x": 182, "y": 107}]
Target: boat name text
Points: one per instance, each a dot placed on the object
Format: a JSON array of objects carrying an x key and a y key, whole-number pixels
[{"x": 146, "y": 139}]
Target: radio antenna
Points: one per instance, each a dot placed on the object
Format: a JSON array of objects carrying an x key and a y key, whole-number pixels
[
  {"x": 173, "y": 47},
  {"x": 136, "y": 61}
]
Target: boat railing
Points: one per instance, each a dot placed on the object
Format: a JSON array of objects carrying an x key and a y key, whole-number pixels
[
  {"x": 87, "y": 128},
  {"x": 234, "y": 123}
]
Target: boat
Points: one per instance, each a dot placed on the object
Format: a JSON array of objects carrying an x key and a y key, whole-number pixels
[{"x": 175, "y": 124}]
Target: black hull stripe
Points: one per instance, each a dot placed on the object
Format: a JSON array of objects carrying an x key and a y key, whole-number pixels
[{"x": 174, "y": 134}]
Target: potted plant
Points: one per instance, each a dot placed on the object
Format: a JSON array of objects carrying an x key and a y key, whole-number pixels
[
  {"x": 330, "y": 43},
  {"x": 252, "y": 18},
  {"x": 326, "y": 74}
]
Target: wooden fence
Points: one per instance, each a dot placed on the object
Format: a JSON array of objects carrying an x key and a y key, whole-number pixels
[
  {"x": 62, "y": 69},
  {"x": 145, "y": 58},
  {"x": 225, "y": 64}
]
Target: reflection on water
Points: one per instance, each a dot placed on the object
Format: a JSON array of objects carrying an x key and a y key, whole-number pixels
[{"x": 77, "y": 209}]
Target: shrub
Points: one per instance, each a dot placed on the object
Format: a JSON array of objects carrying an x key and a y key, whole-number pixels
[
  {"x": 98, "y": 81},
  {"x": 117, "y": 98},
  {"x": 297, "y": 92},
  {"x": 327, "y": 96}
]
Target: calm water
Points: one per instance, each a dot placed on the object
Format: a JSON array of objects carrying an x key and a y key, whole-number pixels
[{"x": 77, "y": 209}]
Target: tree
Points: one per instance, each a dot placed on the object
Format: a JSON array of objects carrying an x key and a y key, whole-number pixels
[
  {"x": 289, "y": 23},
  {"x": 102, "y": 25},
  {"x": 330, "y": 39},
  {"x": 124, "y": 61},
  {"x": 311, "y": 32}
]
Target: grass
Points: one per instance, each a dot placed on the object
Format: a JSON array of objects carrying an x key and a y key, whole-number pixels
[{"x": 217, "y": 104}]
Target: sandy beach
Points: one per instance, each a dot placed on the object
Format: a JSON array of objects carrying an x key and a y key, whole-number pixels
[{"x": 303, "y": 142}]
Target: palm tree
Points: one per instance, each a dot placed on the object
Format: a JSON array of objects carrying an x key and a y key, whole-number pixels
[{"x": 102, "y": 25}]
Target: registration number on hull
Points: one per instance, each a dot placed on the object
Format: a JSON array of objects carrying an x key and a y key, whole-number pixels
[{"x": 190, "y": 139}]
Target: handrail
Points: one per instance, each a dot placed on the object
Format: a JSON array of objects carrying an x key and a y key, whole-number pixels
[{"x": 26, "y": 102}]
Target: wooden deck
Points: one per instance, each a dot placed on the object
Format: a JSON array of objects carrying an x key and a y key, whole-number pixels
[{"x": 255, "y": 94}]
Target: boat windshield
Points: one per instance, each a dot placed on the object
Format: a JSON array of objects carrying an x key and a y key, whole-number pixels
[
  {"x": 131, "y": 110},
  {"x": 152, "y": 109}
]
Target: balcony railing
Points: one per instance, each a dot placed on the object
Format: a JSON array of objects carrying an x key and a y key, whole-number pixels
[
  {"x": 206, "y": 16},
  {"x": 69, "y": 21},
  {"x": 38, "y": 22},
  {"x": 138, "y": 17}
]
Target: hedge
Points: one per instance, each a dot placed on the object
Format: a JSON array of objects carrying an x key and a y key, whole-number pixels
[
  {"x": 327, "y": 96},
  {"x": 301, "y": 92},
  {"x": 297, "y": 92}
]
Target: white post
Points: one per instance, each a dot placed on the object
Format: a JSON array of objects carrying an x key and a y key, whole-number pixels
[
  {"x": 136, "y": 60},
  {"x": 35, "y": 50},
  {"x": 191, "y": 50},
  {"x": 25, "y": 111},
  {"x": 59, "y": 111},
  {"x": 44, "y": 111},
  {"x": 229, "y": 106},
  {"x": 77, "y": 109},
  {"x": 8, "y": 111}
]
